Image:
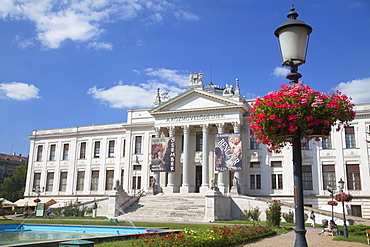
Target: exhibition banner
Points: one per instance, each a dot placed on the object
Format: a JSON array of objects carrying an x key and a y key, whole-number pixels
[
  {"x": 163, "y": 154},
  {"x": 228, "y": 152}
]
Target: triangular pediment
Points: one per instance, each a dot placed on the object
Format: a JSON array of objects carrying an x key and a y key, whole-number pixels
[{"x": 195, "y": 100}]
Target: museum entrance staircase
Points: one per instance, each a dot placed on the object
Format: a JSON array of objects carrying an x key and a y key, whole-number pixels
[{"x": 166, "y": 208}]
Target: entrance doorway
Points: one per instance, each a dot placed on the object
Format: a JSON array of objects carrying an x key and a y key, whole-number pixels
[{"x": 198, "y": 178}]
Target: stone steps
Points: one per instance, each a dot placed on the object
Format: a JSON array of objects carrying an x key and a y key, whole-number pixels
[{"x": 166, "y": 208}]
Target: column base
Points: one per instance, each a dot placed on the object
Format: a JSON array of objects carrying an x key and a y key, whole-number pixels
[
  {"x": 203, "y": 189},
  {"x": 168, "y": 190},
  {"x": 184, "y": 189}
]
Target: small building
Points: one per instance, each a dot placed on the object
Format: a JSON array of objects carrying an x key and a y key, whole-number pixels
[{"x": 8, "y": 163}]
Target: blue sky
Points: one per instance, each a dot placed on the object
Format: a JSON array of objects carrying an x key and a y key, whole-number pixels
[{"x": 82, "y": 62}]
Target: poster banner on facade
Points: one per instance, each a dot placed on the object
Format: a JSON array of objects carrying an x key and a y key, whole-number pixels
[
  {"x": 163, "y": 154},
  {"x": 228, "y": 152}
]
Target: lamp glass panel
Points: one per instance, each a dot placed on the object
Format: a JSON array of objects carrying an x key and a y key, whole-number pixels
[{"x": 293, "y": 43}]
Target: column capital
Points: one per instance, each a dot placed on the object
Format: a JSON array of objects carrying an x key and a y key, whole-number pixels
[
  {"x": 171, "y": 130},
  {"x": 205, "y": 127},
  {"x": 236, "y": 126},
  {"x": 157, "y": 131},
  {"x": 186, "y": 128},
  {"x": 220, "y": 127}
]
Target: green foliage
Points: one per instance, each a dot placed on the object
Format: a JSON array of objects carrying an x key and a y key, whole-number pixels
[
  {"x": 289, "y": 217},
  {"x": 273, "y": 213},
  {"x": 252, "y": 214},
  {"x": 72, "y": 210},
  {"x": 13, "y": 187}
]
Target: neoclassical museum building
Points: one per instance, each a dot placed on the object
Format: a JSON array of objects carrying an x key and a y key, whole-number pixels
[{"x": 189, "y": 145}]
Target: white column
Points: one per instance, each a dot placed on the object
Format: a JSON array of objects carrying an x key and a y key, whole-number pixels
[
  {"x": 185, "y": 166},
  {"x": 205, "y": 165},
  {"x": 171, "y": 175},
  {"x": 236, "y": 126},
  {"x": 157, "y": 187},
  {"x": 221, "y": 174}
]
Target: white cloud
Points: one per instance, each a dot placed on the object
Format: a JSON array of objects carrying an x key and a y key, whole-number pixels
[
  {"x": 143, "y": 94},
  {"x": 183, "y": 15},
  {"x": 170, "y": 75},
  {"x": 81, "y": 20},
  {"x": 124, "y": 96},
  {"x": 280, "y": 71},
  {"x": 18, "y": 91},
  {"x": 100, "y": 46},
  {"x": 357, "y": 89}
]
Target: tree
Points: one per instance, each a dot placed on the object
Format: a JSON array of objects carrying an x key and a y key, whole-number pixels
[{"x": 13, "y": 187}]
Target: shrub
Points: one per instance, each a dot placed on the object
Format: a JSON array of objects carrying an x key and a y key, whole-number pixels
[
  {"x": 289, "y": 217},
  {"x": 273, "y": 213},
  {"x": 252, "y": 214},
  {"x": 222, "y": 236}
]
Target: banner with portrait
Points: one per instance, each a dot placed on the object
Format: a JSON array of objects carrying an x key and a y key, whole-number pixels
[
  {"x": 163, "y": 154},
  {"x": 228, "y": 152}
]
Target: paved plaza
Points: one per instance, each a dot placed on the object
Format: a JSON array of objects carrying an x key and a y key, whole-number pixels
[{"x": 313, "y": 240}]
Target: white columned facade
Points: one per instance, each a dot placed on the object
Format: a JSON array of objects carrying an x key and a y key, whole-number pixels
[
  {"x": 185, "y": 166},
  {"x": 221, "y": 174},
  {"x": 205, "y": 161}
]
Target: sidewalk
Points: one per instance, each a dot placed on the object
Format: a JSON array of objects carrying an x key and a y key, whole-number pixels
[{"x": 313, "y": 240}]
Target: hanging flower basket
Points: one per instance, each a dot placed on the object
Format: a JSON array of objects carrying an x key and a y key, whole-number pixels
[
  {"x": 332, "y": 203},
  {"x": 275, "y": 118},
  {"x": 37, "y": 200},
  {"x": 343, "y": 197}
]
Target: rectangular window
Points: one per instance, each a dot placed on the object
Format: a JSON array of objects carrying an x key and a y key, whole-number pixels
[
  {"x": 94, "y": 180},
  {"x": 326, "y": 143},
  {"x": 253, "y": 141},
  {"x": 65, "y": 151},
  {"x": 52, "y": 152},
  {"x": 199, "y": 141},
  {"x": 255, "y": 164},
  {"x": 253, "y": 182},
  {"x": 109, "y": 180},
  {"x": 353, "y": 177},
  {"x": 273, "y": 181},
  {"x": 83, "y": 150},
  {"x": 280, "y": 181},
  {"x": 277, "y": 181},
  {"x": 39, "y": 153},
  {"x": 97, "y": 149},
  {"x": 350, "y": 137},
  {"x": 307, "y": 177},
  {"x": 80, "y": 180},
  {"x": 36, "y": 180},
  {"x": 111, "y": 149},
  {"x": 258, "y": 181},
  {"x": 124, "y": 148},
  {"x": 305, "y": 144},
  {"x": 138, "y": 142},
  {"x": 63, "y": 181},
  {"x": 136, "y": 182},
  {"x": 137, "y": 167},
  {"x": 277, "y": 163},
  {"x": 328, "y": 176},
  {"x": 122, "y": 176},
  {"x": 50, "y": 181}
]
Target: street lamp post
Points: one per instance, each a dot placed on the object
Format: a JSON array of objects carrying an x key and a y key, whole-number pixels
[
  {"x": 293, "y": 36},
  {"x": 345, "y": 229},
  {"x": 38, "y": 190},
  {"x": 331, "y": 191}
]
